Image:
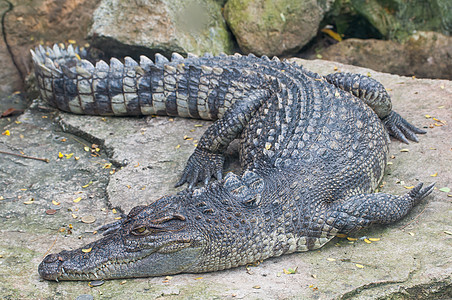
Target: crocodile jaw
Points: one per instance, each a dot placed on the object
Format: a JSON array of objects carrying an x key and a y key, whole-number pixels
[{"x": 108, "y": 259}]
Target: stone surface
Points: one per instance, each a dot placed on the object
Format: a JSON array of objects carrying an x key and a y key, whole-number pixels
[
  {"x": 164, "y": 26},
  {"x": 424, "y": 54},
  {"x": 412, "y": 260},
  {"x": 274, "y": 27}
]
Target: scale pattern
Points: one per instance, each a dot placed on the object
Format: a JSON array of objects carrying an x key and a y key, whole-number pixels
[{"x": 313, "y": 149}]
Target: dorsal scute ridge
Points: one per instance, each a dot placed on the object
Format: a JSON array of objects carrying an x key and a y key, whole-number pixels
[
  {"x": 130, "y": 62},
  {"x": 176, "y": 57},
  {"x": 160, "y": 59}
]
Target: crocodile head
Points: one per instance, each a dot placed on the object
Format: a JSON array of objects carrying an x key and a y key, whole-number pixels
[{"x": 153, "y": 240}]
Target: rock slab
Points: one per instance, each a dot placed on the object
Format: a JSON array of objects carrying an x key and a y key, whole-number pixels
[{"x": 140, "y": 159}]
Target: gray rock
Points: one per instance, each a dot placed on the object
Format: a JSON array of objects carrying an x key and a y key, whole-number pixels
[
  {"x": 424, "y": 54},
  {"x": 274, "y": 27},
  {"x": 165, "y": 26},
  {"x": 411, "y": 260}
]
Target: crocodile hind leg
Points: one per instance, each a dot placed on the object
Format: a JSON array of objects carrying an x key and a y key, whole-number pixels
[
  {"x": 207, "y": 159},
  {"x": 376, "y": 97},
  {"x": 360, "y": 211}
]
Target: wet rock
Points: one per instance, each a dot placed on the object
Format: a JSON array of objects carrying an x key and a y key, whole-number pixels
[
  {"x": 274, "y": 27},
  {"x": 424, "y": 54},
  {"x": 165, "y": 26}
]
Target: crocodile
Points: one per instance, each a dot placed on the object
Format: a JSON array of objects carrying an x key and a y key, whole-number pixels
[{"x": 313, "y": 150}]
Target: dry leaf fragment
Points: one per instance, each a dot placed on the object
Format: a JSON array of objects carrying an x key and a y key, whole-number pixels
[
  {"x": 69, "y": 155},
  {"x": 86, "y": 148},
  {"x": 54, "y": 202},
  {"x": 114, "y": 211},
  {"x": 374, "y": 239},
  {"x": 88, "y": 219},
  {"x": 404, "y": 150},
  {"x": 359, "y": 266},
  {"x": 77, "y": 200},
  {"x": 352, "y": 239},
  {"x": 60, "y": 155},
  {"x": 434, "y": 175},
  {"x": 341, "y": 235},
  {"x": 330, "y": 259},
  {"x": 367, "y": 241},
  {"x": 29, "y": 201},
  {"x": 177, "y": 147},
  {"x": 87, "y": 185},
  {"x": 268, "y": 146}
]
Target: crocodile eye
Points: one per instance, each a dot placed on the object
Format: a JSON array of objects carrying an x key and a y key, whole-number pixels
[{"x": 140, "y": 230}]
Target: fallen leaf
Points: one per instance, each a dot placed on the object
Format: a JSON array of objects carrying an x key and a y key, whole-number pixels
[
  {"x": 409, "y": 187},
  {"x": 54, "y": 202},
  {"x": 290, "y": 270},
  {"x": 11, "y": 112},
  {"x": 6, "y": 132},
  {"x": 444, "y": 189},
  {"x": 77, "y": 200},
  {"x": 352, "y": 239},
  {"x": 336, "y": 36},
  {"x": 367, "y": 241},
  {"x": 88, "y": 219},
  {"x": 330, "y": 259},
  {"x": 341, "y": 235},
  {"x": 87, "y": 250},
  {"x": 404, "y": 150},
  {"x": 374, "y": 239},
  {"x": 51, "y": 211},
  {"x": 87, "y": 185},
  {"x": 359, "y": 266},
  {"x": 434, "y": 175},
  {"x": 30, "y": 201}
]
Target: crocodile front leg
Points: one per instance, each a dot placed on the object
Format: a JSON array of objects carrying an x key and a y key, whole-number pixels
[{"x": 207, "y": 159}]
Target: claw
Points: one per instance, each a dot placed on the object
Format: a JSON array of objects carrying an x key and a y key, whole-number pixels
[
  {"x": 418, "y": 193},
  {"x": 400, "y": 129},
  {"x": 201, "y": 166}
]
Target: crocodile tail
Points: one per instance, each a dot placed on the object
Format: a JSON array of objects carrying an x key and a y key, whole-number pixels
[{"x": 71, "y": 83}]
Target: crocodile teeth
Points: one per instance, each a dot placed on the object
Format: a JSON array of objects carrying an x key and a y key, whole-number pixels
[
  {"x": 160, "y": 59},
  {"x": 176, "y": 56}
]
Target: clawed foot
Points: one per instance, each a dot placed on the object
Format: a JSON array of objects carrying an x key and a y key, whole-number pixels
[
  {"x": 418, "y": 193},
  {"x": 201, "y": 166},
  {"x": 400, "y": 129}
]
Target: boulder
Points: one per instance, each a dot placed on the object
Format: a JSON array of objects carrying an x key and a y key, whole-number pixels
[
  {"x": 29, "y": 23},
  {"x": 424, "y": 54},
  {"x": 161, "y": 25},
  {"x": 274, "y": 27},
  {"x": 398, "y": 19}
]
